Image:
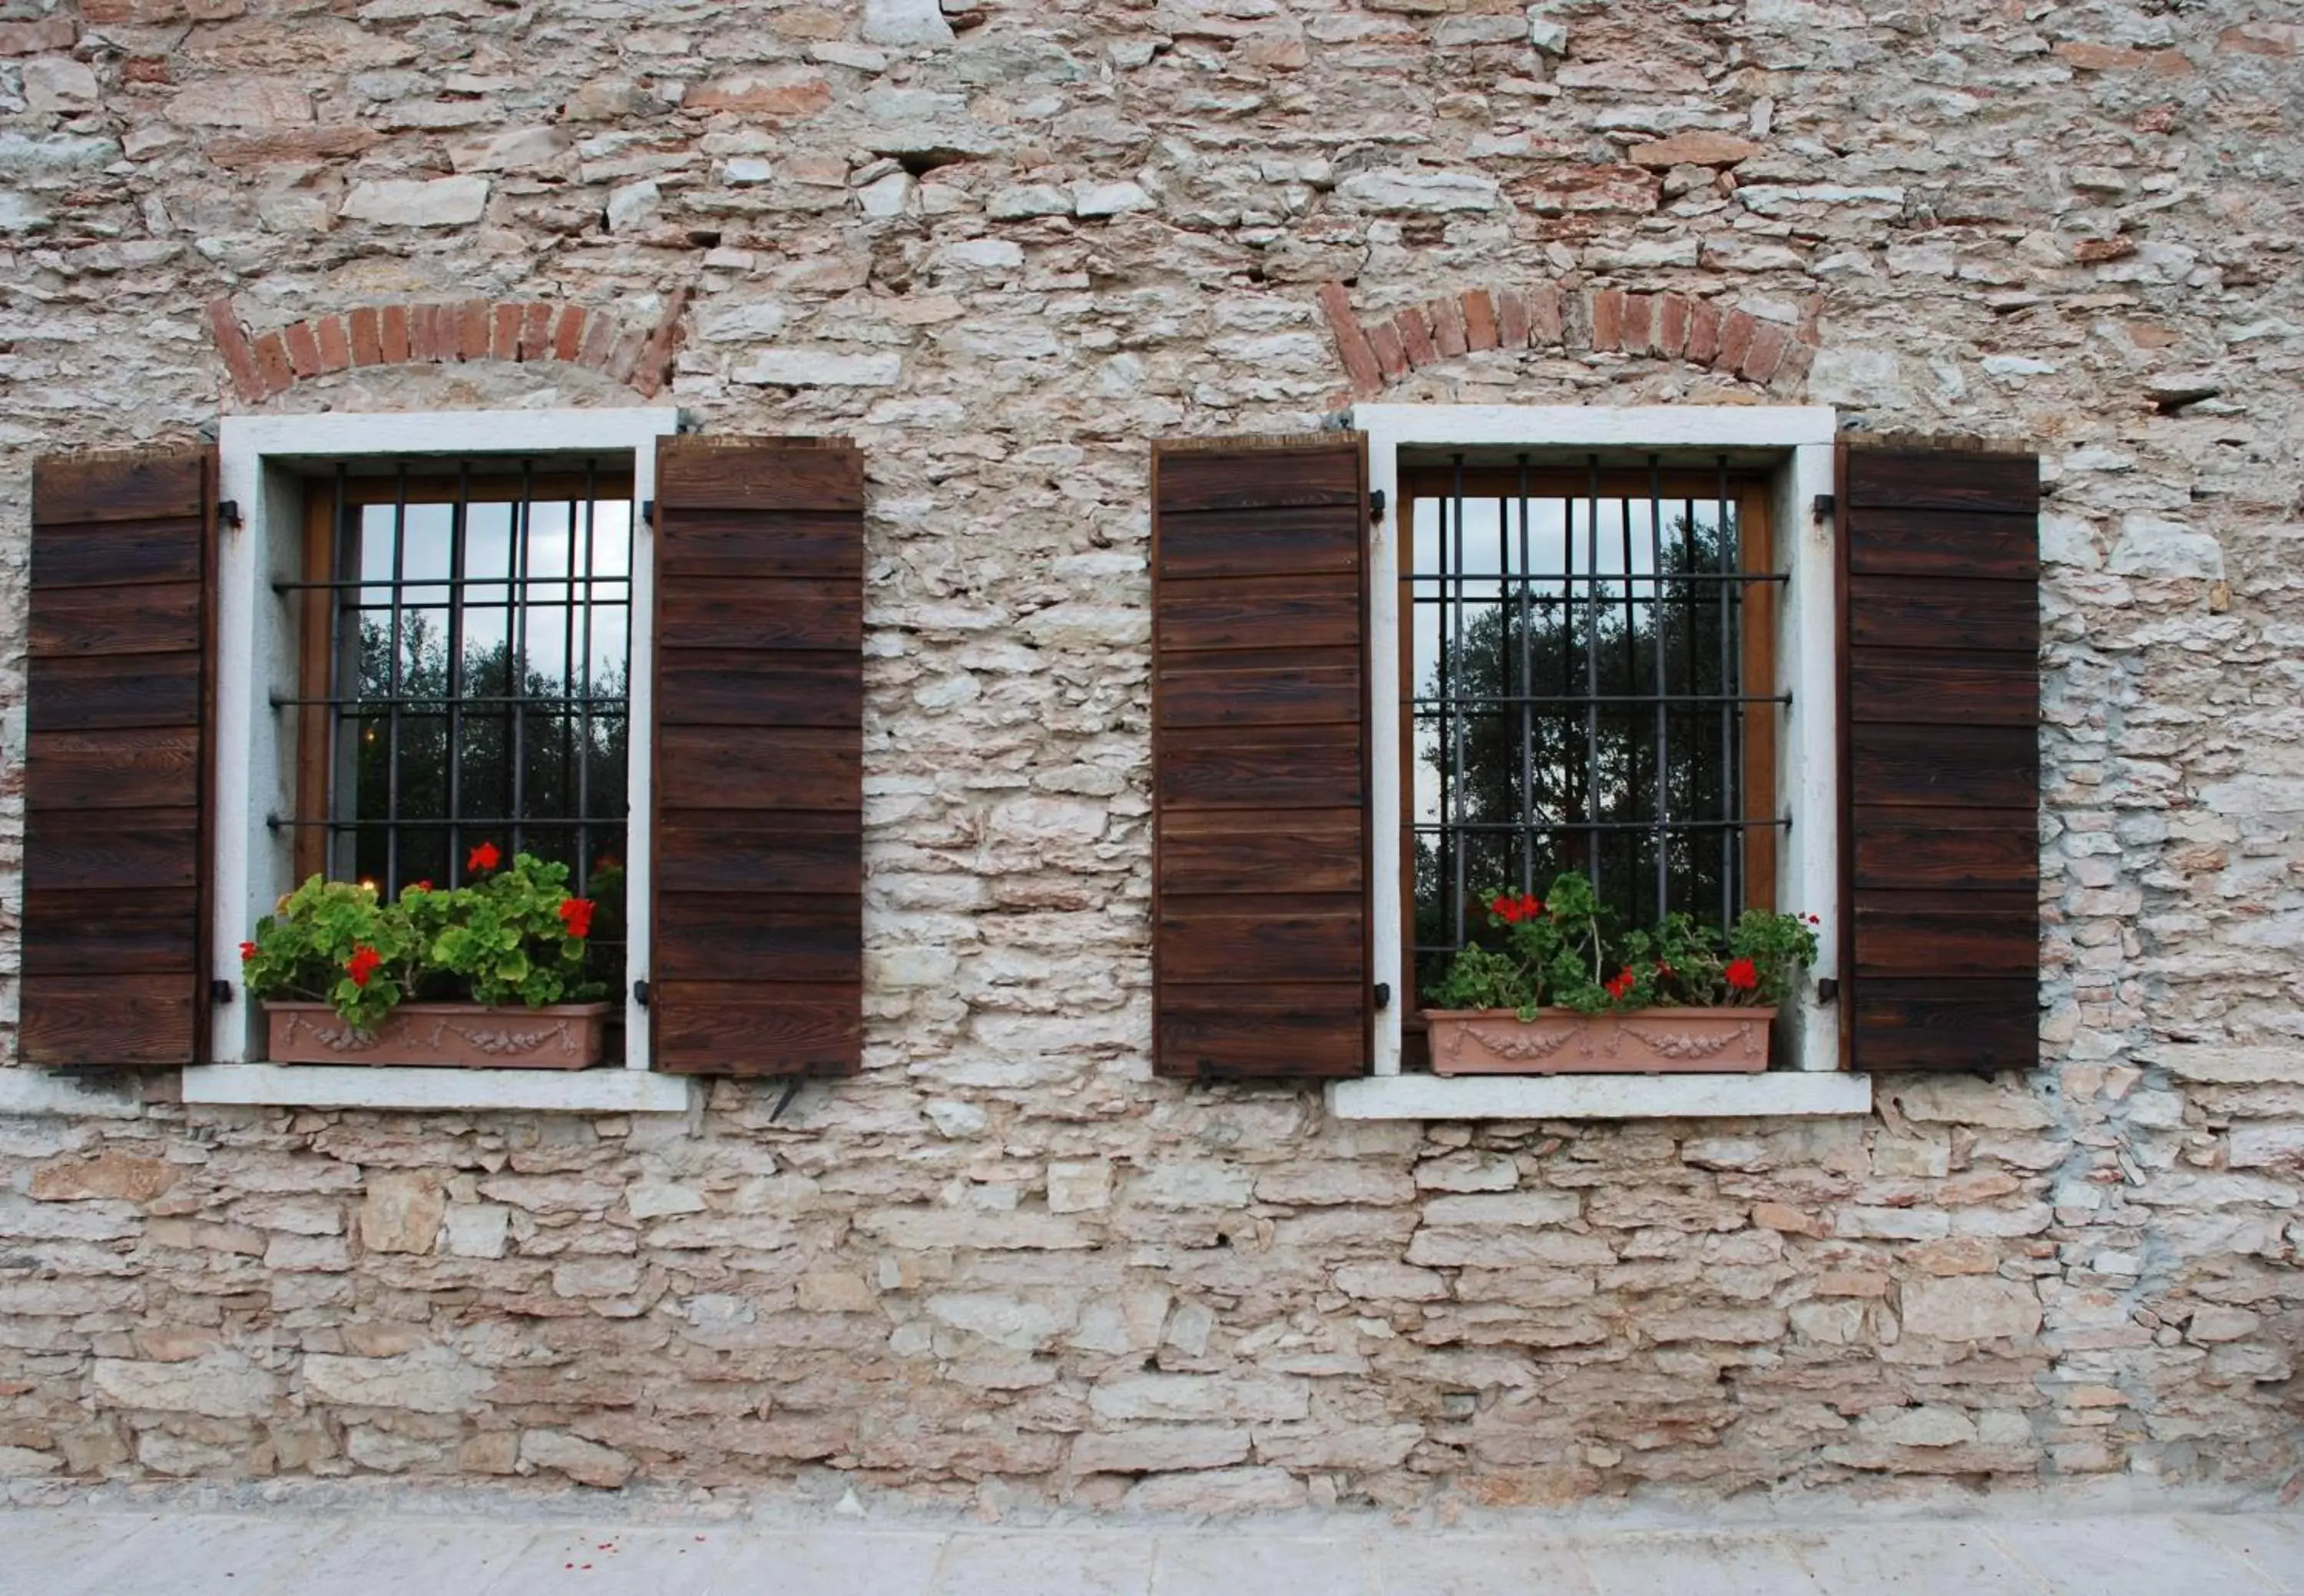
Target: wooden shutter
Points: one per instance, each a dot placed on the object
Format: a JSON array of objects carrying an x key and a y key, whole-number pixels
[
  {"x": 115, "y": 928},
  {"x": 1941, "y": 700},
  {"x": 1260, "y": 757},
  {"x": 758, "y": 947}
]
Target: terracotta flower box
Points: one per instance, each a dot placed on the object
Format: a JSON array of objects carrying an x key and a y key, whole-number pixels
[
  {"x": 565, "y": 1036},
  {"x": 1496, "y": 1041}
]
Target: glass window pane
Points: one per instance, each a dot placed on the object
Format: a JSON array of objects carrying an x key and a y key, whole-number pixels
[
  {"x": 1575, "y": 671},
  {"x": 472, "y": 632}
]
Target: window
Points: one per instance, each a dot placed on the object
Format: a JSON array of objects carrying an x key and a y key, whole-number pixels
[
  {"x": 464, "y": 658},
  {"x": 433, "y": 630},
  {"x": 1590, "y": 687},
  {"x": 1605, "y": 642}
]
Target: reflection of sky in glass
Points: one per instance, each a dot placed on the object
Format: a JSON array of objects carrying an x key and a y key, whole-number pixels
[
  {"x": 1547, "y": 549},
  {"x": 562, "y": 550}
]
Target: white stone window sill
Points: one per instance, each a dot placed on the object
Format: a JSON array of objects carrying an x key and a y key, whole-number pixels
[
  {"x": 360, "y": 1086},
  {"x": 1600, "y": 1096}
]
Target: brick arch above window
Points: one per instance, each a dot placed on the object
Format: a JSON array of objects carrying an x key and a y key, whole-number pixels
[
  {"x": 1729, "y": 341},
  {"x": 262, "y": 365}
]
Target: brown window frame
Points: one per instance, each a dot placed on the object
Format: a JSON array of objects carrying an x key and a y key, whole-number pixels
[{"x": 1750, "y": 492}]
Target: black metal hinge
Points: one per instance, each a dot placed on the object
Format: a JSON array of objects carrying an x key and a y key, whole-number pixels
[
  {"x": 1375, "y": 504},
  {"x": 640, "y": 993},
  {"x": 1384, "y": 993},
  {"x": 228, "y": 513},
  {"x": 1823, "y": 507},
  {"x": 219, "y": 992},
  {"x": 647, "y": 512},
  {"x": 1827, "y": 991}
]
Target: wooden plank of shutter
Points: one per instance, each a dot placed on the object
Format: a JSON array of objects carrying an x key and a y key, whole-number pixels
[
  {"x": 757, "y": 949},
  {"x": 1940, "y": 723},
  {"x": 119, "y": 705},
  {"x": 1260, "y": 758}
]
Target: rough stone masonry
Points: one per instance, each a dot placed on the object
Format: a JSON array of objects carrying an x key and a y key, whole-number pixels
[{"x": 1005, "y": 248}]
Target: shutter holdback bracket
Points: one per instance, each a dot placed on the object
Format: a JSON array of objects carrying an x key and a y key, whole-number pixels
[
  {"x": 1823, "y": 507},
  {"x": 1376, "y": 506},
  {"x": 228, "y": 513}
]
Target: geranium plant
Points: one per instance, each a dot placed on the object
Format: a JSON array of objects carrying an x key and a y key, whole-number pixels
[
  {"x": 1557, "y": 952},
  {"x": 514, "y": 935}
]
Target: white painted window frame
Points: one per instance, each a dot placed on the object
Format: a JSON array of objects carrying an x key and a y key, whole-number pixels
[
  {"x": 256, "y": 648},
  {"x": 1799, "y": 440}
]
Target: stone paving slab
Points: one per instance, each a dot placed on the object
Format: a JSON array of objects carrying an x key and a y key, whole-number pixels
[{"x": 77, "y": 1551}]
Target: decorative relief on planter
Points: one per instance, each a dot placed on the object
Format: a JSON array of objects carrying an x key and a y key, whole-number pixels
[
  {"x": 567, "y": 1036},
  {"x": 1496, "y": 1041}
]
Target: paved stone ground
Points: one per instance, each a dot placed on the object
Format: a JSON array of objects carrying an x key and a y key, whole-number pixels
[{"x": 178, "y": 1551}]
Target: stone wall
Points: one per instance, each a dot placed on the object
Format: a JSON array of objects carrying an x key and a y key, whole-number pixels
[{"x": 1005, "y": 251}]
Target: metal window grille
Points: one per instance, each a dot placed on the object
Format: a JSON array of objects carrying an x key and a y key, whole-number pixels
[
  {"x": 1577, "y": 697},
  {"x": 478, "y": 686}
]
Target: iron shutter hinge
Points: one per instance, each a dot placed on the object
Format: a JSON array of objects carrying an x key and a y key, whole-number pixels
[
  {"x": 1384, "y": 993},
  {"x": 648, "y": 513},
  {"x": 1823, "y": 507},
  {"x": 1827, "y": 991},
  {"x": 640, "y": 993},
  {"x": 228, "y": 513},
  {"x": 1375, "y": 504},
  {"x": 219, "y": 992}
]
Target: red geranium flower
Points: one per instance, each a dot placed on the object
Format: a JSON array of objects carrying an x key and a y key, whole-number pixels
[
  {"x": 483, "y": 857},
  {"x": 1742, "y": 975},
  {"x": 1621, "y": 982},
  {"x": 417, "y": 886},
  {"x": 576, "y": 917},
  {"x": 362, "y": 964},
  {"x": 247, "y": 952},
  {"x": 1512, "y": 909}
]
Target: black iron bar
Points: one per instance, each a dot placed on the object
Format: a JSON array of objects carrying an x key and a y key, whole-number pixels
[
  {"x": 1569, "y": 774},
  {"x": 1657, "y": 659},
  {"x": 1448, "y": 577},
  {"x": 414, "y": 822},
  {"x": 583, "y": 776},
  {"x": 523, "y": 523},
  {"x": 1592, "y": 659},
  {"x": 613, "y": 706},
  {"x": 1631, "y": 674},
  {"x": 1455, "y": 726},
  {"x": 391, "y": 739},
  {"x": 1730, "y": 536},
  {"x": 471, "y": 582},
  {"x": 1527, "y": 685},
  {"x": 1688, "y": 591},
  {"x": 568, "y": 663},
  {"x": 1639, "y": 825},
  {"x": 459, "y": 538},
  {"x": 1503, "y": 699}
]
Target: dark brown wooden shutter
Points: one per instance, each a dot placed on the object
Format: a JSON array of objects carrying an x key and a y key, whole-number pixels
[
  {"x": 1260, "y": 757},
  {"x": 758, "y": 947},
  {"x": 115, "y": 930},
  {"x": 1941, "y": 698}
]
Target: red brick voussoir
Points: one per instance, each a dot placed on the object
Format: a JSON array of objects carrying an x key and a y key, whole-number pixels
[
  {"x": 519, "y": 331},
  {"x": 1687, "y": 328}
]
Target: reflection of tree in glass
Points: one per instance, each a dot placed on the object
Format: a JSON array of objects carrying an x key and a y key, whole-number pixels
[
  {"x": 570, "y": 763},
  {"x": 1544, "y": 649}
]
